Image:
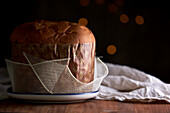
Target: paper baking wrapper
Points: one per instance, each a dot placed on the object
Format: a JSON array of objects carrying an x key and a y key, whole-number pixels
[
  {"x": 81, "y": 62},
  {"x": 53, "y": 76}
]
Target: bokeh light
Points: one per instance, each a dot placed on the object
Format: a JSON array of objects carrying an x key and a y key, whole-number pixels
[
  {"x": 112, "y": 7},
  {"x": 83, "y": 21},
  {"x": 124, "y": 18},
  {"x": 139, "y": 20},
  {"x": 119, "y": 2},
  {"x": 100, "y": 1},
  {"x": 111, "y": 49},
  {"x": 84, "y": 2}
]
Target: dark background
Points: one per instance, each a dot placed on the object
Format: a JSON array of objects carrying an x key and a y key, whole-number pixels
[{"x": 145, "y": 47}]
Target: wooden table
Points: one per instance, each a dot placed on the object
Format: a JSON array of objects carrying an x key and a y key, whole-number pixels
[{"x": 89, "y": 106}]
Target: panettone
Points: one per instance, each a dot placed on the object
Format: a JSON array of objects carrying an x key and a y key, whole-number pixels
[{"x": 50, "y": 40}]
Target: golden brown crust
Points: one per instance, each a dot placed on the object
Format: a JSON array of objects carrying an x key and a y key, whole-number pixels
[{"x": 49, "y": 32}]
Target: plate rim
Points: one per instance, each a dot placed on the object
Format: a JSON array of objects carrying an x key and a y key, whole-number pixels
[
  {"x": 53, "y": 98},
  {"x": 48, "y": 94}
]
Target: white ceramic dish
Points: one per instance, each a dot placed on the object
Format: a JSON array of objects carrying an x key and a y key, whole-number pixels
[{"x": 53, "y": 98}]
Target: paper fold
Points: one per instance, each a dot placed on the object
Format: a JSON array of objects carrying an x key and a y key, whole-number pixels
[{"x": 51, "y": 76}]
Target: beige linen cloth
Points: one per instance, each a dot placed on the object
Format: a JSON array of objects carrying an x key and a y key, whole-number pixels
[
  {"x": 4, "y": 83},
  {"x": 123, "y": 83}
]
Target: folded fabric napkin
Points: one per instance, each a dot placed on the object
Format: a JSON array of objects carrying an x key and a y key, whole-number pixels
[
  {"x": 4, "y": 83},
  {"x": 123, "y": 83}
]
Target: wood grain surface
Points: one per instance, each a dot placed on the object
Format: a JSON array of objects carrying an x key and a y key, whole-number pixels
[{"x": 89, "y": 106}]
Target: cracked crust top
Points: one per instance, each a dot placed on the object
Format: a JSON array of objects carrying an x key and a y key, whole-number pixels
[{"x": 49, "y": 32}]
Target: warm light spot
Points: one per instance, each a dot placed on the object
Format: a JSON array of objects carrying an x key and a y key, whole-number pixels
[
  {"x": 119, "y": 2},
  {"x": 124, "y": 18},
  {"x": 111, "y": 49},
  {"x": 112, "y": 8},
  {"x": 139, "y": 20},
  {"x": 100, "y": 1},
  {"x": 84, "y": 2},
  {"x": 83, "y": 21}
]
